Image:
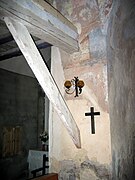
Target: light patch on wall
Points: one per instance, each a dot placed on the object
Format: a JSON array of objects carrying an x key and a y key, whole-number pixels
[
  {"x": 105, "y": 83},
  {"x": 97, "y": 44},
  {"x": 69, "y": 7},
  {"x": 11, "y": 141},
  {"x": 85, "y": 14},
  {"x": 90, "y": 76}
]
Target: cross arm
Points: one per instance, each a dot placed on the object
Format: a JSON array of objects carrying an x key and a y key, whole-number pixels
[{"x": 87, "y": 114}]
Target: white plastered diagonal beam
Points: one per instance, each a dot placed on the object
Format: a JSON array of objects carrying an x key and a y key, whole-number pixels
[{"x": 36, "y": 63}]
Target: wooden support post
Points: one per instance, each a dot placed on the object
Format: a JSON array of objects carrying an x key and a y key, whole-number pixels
[{"x": 35, "y": 61}]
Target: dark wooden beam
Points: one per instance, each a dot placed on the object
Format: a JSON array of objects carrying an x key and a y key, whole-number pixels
[
  {"x": 16, "y": 51},
  {"x": 6, "y": 38},
  {"x": 10, "y": 54}
]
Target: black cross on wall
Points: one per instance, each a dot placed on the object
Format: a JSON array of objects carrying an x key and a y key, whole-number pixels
[{"x": 92, "y": 114}]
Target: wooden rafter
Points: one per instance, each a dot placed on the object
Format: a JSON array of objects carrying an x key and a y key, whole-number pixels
[
  {"x": 16, "y": 51},
  {"x": 36, "y": 63}
]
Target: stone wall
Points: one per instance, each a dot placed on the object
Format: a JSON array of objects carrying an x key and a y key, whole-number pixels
[
  {"x": 121, "y": 73},
  {"x": 21, "y": 104}
]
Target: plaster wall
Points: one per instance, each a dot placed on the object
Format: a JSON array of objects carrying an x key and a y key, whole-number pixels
[
  {"x": 93, "y": 160},
  {"x": 121, "y": 73}
]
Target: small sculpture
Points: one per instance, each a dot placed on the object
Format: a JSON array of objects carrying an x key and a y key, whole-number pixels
[{"x": 44, "y": 138}]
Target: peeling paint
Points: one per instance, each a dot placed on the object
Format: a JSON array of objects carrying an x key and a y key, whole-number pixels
[{"x": 86, "y": 170}]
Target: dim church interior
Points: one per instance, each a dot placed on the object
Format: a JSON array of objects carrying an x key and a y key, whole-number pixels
[{"x": 24, "y": 107}]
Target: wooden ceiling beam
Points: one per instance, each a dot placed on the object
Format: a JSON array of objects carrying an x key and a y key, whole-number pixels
[{"x": 42, "y": 21}]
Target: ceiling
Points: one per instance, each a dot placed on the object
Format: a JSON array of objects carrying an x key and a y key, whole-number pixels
[{"x": 8, "y": 46}]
